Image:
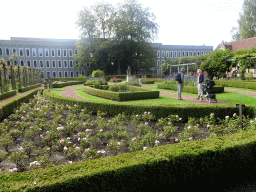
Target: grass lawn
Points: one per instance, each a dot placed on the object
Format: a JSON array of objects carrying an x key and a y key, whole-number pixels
[{"x": 229, "y": 97}]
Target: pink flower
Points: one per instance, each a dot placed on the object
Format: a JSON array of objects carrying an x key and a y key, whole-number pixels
[
  {"x": 84, "y": 139},
  {"x": 65, "y": 148},
  {"x": 190, "y": 138},
  {"x": 144, "y": 148},
  {"x": 137, "y": 115},
  {"x": 118, "y": 143},
  {"x": 62, "y": 141},
  {"x": 234, "y": 114},
  {"x": 134, "y": 138},
  {"x": 48, "y": 149},
  {"x": 77, "y": 148},
  {"x": 70, "y": 162},
  {"x": 10, "y": 171},
  {"x": 189, "y": 127},
  {"x": 146, "y": 123},
  {"x": 208, "y": 126},
  {"x": 21, "y": 149},
  {"x": 145, "y": 112}
]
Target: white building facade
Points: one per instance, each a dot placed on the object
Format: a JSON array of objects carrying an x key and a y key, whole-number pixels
[{"x": 55, "y": 56}]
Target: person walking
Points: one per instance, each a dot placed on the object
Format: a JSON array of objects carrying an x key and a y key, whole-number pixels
[
  {"x": 200, "y": 80},
  {"x": 180, "y": 83}
]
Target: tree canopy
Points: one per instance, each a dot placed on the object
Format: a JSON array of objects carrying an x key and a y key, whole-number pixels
[
  {"x": 113, "y": 38},
  {"x": 246, "y": 22}
]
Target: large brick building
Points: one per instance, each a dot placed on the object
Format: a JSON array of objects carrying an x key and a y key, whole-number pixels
[{"x": 55, "y": 56}]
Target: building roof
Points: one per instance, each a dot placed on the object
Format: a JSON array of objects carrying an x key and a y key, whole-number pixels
[{"x": 240, "y": 44}]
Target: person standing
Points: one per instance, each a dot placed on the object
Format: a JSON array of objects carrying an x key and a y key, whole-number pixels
[
  {"x": 200, "y": 80},
  {"x": 180, "y": 83},
  {"x": 140, "y": 82}
]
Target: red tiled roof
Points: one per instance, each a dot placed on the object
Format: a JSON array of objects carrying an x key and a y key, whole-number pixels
[{"x": 241, "y": 44}]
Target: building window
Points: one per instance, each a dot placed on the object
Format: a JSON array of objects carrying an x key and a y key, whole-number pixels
[
  {"x": 27, "y": 50},
  {"x": 21, "y": 63},
  {"x": 21, "y": 52},
  {"x": 202, "y": 52},
  {"x": 35, "y": 64},
  {"x": 28, "y": 63},
  {"x": 183, "y": 53},
  {"x": 162, "y": 54},
  {"x": 71, "y": 74},
  {"x": 34, "y": 52},
  {"x": 46, "y": 52},
  {"x": 187, "y": 53},
  {"x": 53, "y": 64},
  {"x": 48, "y": 74},
  {"x": 179, "y": 53},
  {"x": 70, "y": 52},
  {"x": 8, "y": 62},
  {"x": 167, "y": 54},
  {"x": 162, "y": 62},
  {"x": 59, "y": 64},
  {"x": 40, "y": 52},
  {"x": 15, "y": 62},
  {"x": 71, "y": 64},
  {"x": 64, "y": 52},
  {"x": 65, "y": 63},
  {"x": 7, "y": 51},
  {"x": 88, "y": 65},
  {"x": 53, "y": 74},
  {"x": 171, "y": 54},
  {"x": 41, "y": 63},
  {"x": 158, "y": 63},
  {"x": 191, "y": 53},
  {"x": 58, "y": 53},
  {"x": 47, "y": 64},
  {"x": 66, "y": 74},
  {"x": 194, "y": 53},
  {"x": 158, "y": 54},
  {"x": 76, "y": 51},
  {"x": 77, "y": 74},
  {"x": 1, "y": 51},
  {"x": 53, "y": 52},
  {"x": 175, "y": 54},
  {"x": 198, "y": 53},
  {"x": 13, "y": 51},
  {"x": 60, "y": 74}
]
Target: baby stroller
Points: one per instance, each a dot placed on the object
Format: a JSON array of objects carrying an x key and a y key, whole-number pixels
[{"x": 207, "y": 88}]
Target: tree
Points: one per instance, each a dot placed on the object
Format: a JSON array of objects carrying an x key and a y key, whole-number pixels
[
  {"x": 217, "y": 63},
  {"x": 246, "y": 22},
  {"x": 128, "y": 32}
]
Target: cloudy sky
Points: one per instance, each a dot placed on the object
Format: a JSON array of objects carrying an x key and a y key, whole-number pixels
[{"x": 183, "y": 22}]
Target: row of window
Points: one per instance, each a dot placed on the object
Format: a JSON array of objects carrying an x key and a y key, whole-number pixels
[
  {"x": 40, "y": 52},
  {"x": 59, "y": 74},
  {"x": 175, "y": 54},
  {"x": 46, "y": 63}
]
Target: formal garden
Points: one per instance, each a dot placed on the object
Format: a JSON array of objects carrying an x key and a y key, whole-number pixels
[{"x": 51, "y": 142}]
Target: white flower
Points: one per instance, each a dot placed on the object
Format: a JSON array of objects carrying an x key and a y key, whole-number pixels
[
  {"x": 65, "y": 148},
  {"x": 101, "y": 130},
  {"x": 189, "y": 127},
  {"x": 144, "y": 148},
  {"x": 21, "y": 149},
  {"x": 59, "y": 128},
  {"x": 190, "y": 138},
  {"x": 208, "y": 126},
  {"x": 251, "y": 121},
  {"x": 227, "y": 117},
  {"x": 70, "y": 162},
  {"x": 156, "y": 142}
]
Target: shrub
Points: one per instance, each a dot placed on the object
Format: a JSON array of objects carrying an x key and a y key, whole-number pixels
[
  {"x": 98, "y": 73},
  {"x": 114, "y": 88}
]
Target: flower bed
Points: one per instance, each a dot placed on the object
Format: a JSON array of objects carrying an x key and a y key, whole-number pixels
[{"x": 43, "y": 134}]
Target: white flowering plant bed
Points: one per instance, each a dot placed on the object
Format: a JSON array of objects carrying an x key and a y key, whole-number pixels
[{"x": 43, "y": 134}]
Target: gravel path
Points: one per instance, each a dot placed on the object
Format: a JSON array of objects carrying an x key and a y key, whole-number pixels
[
  {"x": 253, "y": 94},
  {"x": 71, "y": 92}
]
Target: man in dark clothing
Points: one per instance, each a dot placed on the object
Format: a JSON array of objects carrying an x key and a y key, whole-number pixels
[{"x": 180, "y": 84}]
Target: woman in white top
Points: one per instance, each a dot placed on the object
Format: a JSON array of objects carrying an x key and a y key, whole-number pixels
[{"x": 200, "y": 80}]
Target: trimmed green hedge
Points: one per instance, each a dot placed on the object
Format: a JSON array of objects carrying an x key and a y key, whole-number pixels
[
  {"x": 69, "y": 79},
  {"x": 64, "y": 84},
  {"x": 236, "y": 83},
  {"x": 7, "y": 94},
  {"x": 7, "y": 107},
  {"x": 139, "y": 93},
  {"x": 188, "y": 89},
  {"x": 209, "y": 164},
  {"x": 158, "y": 111},
  {"x": 23, "y": 89}
]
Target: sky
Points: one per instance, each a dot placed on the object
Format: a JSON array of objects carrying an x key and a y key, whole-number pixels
[{"x": 182, "y": 22}]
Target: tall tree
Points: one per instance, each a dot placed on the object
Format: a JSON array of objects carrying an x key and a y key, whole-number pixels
[
  {"x": 246, "y": 22},
  {"x": 128, "y": 32}
]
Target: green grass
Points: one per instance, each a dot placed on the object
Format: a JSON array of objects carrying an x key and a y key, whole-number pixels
[{"x": 229, "y": 97}]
